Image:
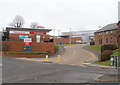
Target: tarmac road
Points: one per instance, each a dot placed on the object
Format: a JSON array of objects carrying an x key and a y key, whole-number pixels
[
  {"x": 22, "y": 71},
  {"x": 76, "y": 55},
  {"x": 73, "y": 55}
]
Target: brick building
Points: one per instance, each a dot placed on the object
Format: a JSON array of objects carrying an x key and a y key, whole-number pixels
[
  {"x": 118, "y": 34},
  {"x": 28, "y": 40},
  {"x": 106, "y": 35},
  {"x": 68, "y": 40},
  {"x": 18, "y": 34}
]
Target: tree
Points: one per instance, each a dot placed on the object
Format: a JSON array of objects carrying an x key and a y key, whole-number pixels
[
  {"x": 34, "y": 25},
  {"x": 17, "y": 22}
]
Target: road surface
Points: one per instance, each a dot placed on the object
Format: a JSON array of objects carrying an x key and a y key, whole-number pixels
[
  {"x": 73, "y": 55},
  {"x": 22, "y": 71}
]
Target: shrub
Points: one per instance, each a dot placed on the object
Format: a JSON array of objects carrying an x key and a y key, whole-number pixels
[
  {"x": 92, "y": 43},
  {"x": 56, "y": 47},
  {"x": 108, "y": 47},
  {"x": 48, "y": 52},
  {"x": 4, "y": 47},
  {"x": 36, "y": 53},
  {"x": 105, "y": 55}
]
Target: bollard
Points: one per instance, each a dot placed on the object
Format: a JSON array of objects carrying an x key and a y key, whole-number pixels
[
  {"x": 46, "y": 58},
  {"x": 59, "y": 58}
]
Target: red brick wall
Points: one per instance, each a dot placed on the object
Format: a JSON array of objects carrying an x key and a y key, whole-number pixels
[
  {"x": 16, "y": 46},
  {"x": 119, "y": 36},
  {"x": 67, "y": 40},
  {"x": 104, "y": 36}
]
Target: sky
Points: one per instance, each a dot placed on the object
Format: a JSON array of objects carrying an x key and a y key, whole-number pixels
[{"x": 61, "y": 15}]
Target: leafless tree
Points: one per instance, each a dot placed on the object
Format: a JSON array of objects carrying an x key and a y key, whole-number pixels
[
  {"x": 34, "y": 24},
  {"x": 17, "y": 22}
]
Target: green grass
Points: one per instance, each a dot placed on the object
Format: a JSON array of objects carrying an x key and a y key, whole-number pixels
[
  {"x": 36, "y": 53},
  {"x": 116, "y": 52},
  {"x": 106, "y": 63},
  {"x": 96, "y": 48}
]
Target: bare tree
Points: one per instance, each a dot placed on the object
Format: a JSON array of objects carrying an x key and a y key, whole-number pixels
[
  {"x": 34, "y": 24},
  {"x": 17, "y": 22}
]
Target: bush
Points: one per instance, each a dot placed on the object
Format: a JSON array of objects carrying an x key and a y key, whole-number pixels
[
  {"x": 108, "y": 47},
  {"x": 105, "y": 55},
  {"x": 48, "y": 52},
  {"x": 4, "y": 47},
  {"x": 92, "y": 43},
  {"x": 56, "y": 47},
  {"x": 36, "y": 53}
]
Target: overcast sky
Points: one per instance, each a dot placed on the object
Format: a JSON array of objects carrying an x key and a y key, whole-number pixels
[{"x": 61, "y": 14}]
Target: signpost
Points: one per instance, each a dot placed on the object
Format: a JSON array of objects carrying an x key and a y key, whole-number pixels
[
  {"x": 23, "y": 36},
  {"x": 114, "y": 62},
  {"x": 27, "y": 44}
]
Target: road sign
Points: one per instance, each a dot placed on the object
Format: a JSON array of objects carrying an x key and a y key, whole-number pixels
[
  {"x": 27, "y": 43},
  {"x": 23, "y": 36},
  {"x": 114, "y": 61},
  {"x": 19, "y": 32},
  {"x": 27, "y": 39},
  {"x": 27, "y": 48}
]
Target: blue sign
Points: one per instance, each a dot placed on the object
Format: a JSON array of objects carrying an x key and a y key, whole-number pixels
[
  {"x": 23, "y": 36},
  {"x": 27, "y": 48}
]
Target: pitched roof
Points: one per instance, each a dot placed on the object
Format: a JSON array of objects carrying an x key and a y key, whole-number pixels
[
  {"x": 118, "y": 23},
  {"x": 108, "y": 27}
]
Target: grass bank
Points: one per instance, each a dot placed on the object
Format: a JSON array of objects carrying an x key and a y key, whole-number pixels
[{"x": 95, "y": 48}]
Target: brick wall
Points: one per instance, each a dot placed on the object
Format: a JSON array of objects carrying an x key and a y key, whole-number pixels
[
  {"x": 119, "y": 36},
  {"x": 67, "y": 40},
  {"x": 112, "y": 37},
  {"x": 16, "y": 46}
]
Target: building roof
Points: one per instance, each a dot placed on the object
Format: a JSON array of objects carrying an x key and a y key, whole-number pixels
[
  {"x": 118, "y": 23},
  {"x": 27, "y": 29},
  {"x": 108, "y": 27}
]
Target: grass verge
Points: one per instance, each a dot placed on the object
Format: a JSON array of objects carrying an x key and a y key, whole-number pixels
[{"x": 96, "y": 48}]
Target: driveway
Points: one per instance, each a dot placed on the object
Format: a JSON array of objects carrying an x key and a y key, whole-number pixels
[{"x": 73, "y": 55}]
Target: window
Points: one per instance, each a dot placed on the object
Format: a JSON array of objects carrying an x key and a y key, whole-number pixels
[
  {"x": 111, "y": 32},
  {"x": 99, "y": 33},
  {"x": 37, "y": 38},
  {"x": 107, "y": 32},
  {"x": 111, "y": 40},
  {"x": 100, "y": 41},
  {"x": 107, "y": 40}
]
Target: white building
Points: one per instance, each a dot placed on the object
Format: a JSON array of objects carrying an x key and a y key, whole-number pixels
[{"x": 86, "y": 36}]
